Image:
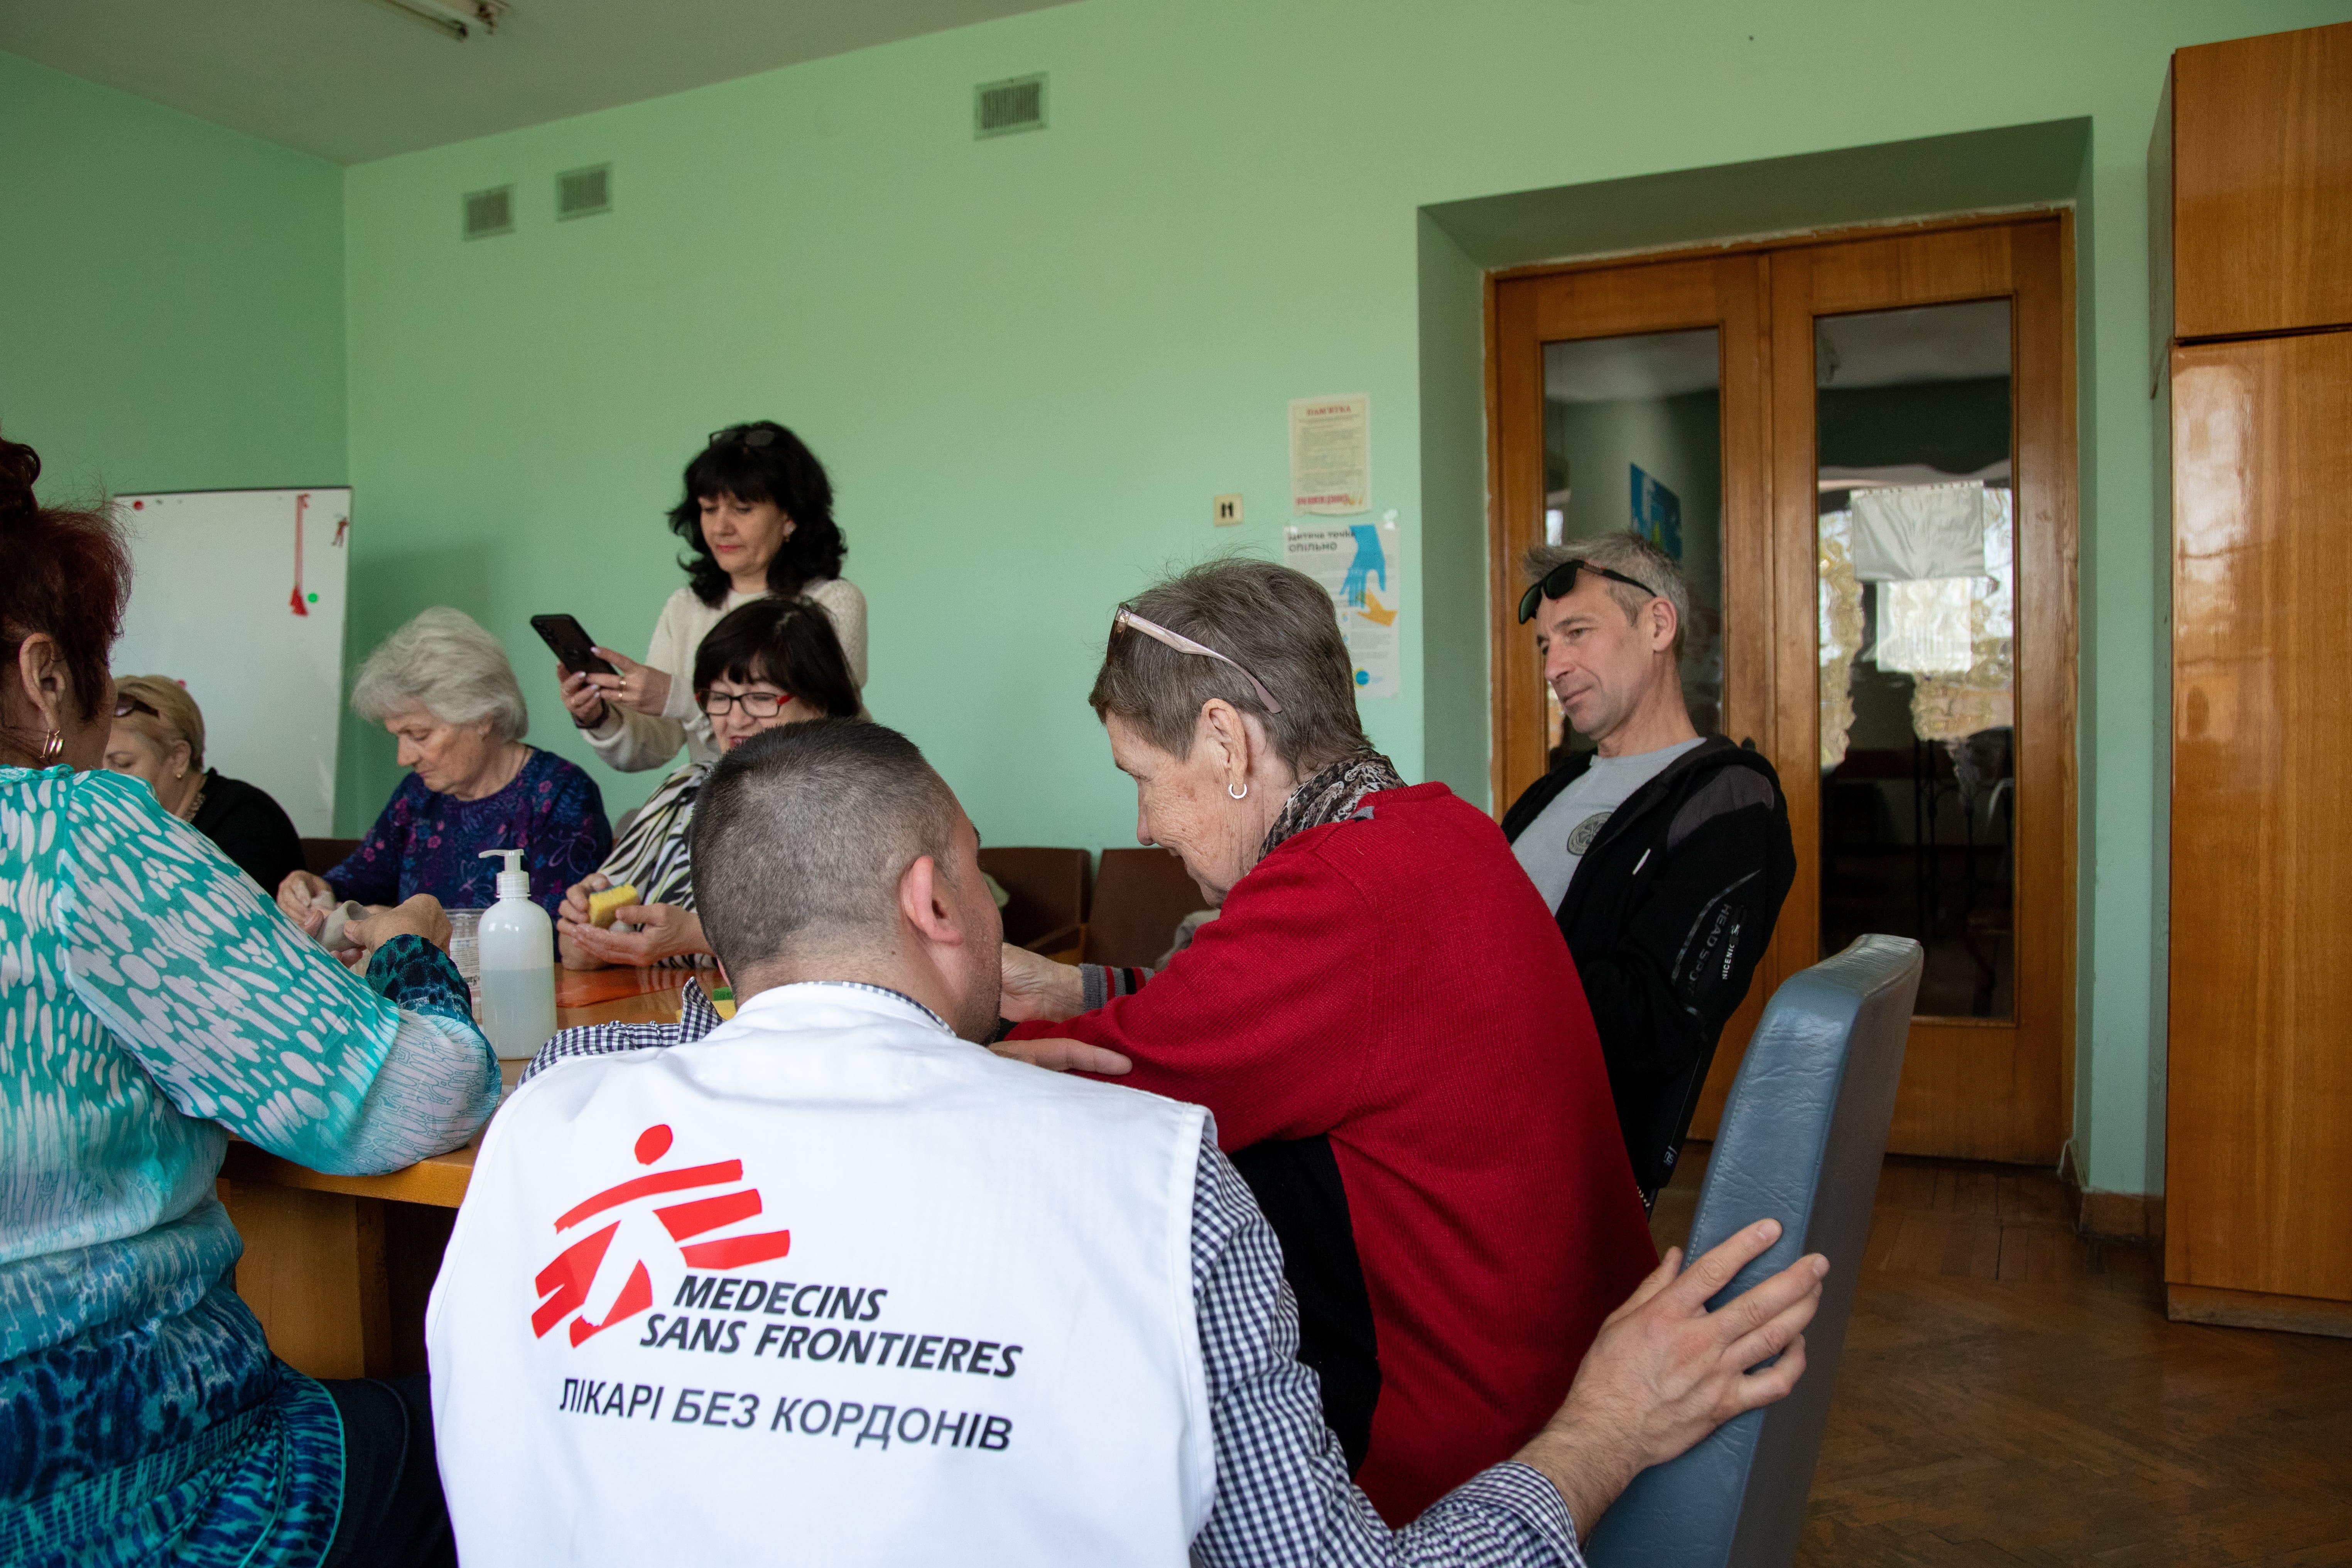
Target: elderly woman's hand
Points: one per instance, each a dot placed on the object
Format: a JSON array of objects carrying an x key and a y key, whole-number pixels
[
  {"x": 582, "y": 698},
  {"x": 1037, "y": 987},
  {"x": 420, "y": 916},
  {"x": 1064, "y": 1055},
  {"x": 638, "y": 686},
  {"x": 305, "y": 899}
]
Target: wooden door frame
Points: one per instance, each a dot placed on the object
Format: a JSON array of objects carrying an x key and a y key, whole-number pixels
[
  {"x": 1674, "y": 293},
  {"x": 2048, "y": 610}
]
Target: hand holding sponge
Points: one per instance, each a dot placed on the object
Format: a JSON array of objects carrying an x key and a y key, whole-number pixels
[{"x": 601, "y": 905}]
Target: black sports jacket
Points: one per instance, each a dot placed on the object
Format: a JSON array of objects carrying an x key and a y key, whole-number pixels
[{"x": 1670, "y": 909}]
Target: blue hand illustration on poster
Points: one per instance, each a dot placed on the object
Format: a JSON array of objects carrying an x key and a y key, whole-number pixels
[{"x": 1370, "y": 562}]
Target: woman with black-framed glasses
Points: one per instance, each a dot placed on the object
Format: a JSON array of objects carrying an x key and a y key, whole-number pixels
[
  {"x": 770, "y": 663},
  {"x": 757, "y": 519}
]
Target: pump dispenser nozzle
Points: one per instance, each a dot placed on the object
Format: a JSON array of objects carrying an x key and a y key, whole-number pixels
[{"x": 514, "y": 882}]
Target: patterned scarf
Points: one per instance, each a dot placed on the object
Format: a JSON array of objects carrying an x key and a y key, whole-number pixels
[{"x": 1331, "y": 796}]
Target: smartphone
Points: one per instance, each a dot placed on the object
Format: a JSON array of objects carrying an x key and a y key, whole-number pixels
[{"x": 572, "y": 644}]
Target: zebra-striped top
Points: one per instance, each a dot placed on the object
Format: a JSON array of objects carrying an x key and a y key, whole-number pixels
[{"x": 652, "y": 855}]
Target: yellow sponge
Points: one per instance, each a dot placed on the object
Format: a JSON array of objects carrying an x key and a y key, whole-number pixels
[{"x": 601, "y": 905}]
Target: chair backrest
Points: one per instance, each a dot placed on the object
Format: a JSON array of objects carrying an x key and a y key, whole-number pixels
[
  {"x": 320, "y": 856},
  {"x": 1801, "y": 1141},
  {"x": 1049, "y": 889},
  {"x": 1140, "y": 896}
]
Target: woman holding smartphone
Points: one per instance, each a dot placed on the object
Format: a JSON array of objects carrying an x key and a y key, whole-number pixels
[{"x": 757, "y": 518}]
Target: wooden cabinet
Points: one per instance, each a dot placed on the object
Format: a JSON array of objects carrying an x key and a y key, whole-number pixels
[
  {"x": 2260, "y": 1151},
  {"x": 2259, "y": 1104},
  {"x": 2252, "y": 165}
]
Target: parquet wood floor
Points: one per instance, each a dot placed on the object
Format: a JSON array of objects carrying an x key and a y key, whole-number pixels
[{"x": 2014, "y": 1394}]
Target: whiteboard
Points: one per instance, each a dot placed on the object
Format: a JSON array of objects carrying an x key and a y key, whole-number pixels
[{"x": 238, "y": 596}]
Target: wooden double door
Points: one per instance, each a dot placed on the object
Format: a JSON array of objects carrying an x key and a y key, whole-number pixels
[{"x": 1860, "y": 450}]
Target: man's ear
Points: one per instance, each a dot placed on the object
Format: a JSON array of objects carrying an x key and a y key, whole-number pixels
[
  {"x": 1664, "y": 624},
  {"x": 925, "y": 904}
]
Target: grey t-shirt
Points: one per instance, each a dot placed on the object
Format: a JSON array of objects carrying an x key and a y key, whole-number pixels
[{"x": 1555, "y": 842}]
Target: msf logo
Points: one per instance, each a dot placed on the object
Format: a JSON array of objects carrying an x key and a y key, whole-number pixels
[{"x": 567, "y": 1285}]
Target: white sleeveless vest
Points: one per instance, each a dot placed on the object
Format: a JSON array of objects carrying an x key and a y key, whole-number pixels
[{"x": 830, "y": 1286}]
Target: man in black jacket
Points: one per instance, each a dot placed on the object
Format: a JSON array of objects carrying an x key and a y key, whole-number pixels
[{"x": 1665, "y": 857}]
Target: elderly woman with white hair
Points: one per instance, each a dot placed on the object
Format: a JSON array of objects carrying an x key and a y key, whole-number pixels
[{"x": 442, "y": 685}]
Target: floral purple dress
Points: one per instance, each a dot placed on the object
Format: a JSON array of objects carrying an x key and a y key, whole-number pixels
[{"x": 428, "y": 843}]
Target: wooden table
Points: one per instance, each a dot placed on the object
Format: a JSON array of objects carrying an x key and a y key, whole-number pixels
[{"x": 338, "y": 1268}]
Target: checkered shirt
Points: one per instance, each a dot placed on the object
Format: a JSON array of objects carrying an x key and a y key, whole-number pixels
[{"x": 1281, "y": 1489}]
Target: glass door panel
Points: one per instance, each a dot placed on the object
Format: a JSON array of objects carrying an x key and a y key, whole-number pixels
[
  {"x": 1632, "y": 439},
  {"x": 1918, "y": 612}
]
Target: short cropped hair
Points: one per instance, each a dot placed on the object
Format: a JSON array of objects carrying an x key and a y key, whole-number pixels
[
  {"x": 789, "y": 643},
  {"x": 1275, "y": 623},
  {"x": 446, "y": 663},
  {"x": 1636, "y": 557},
  {"x": 801, "y": 835},
  {"x": 177, "y": 716}
]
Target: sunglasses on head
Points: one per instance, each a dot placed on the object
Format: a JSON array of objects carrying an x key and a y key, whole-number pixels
[
  {"x": 744, "y": 436},
  {"x": 124, "y": 707},
  {"x": 1182, "y": 644},
  {"x": 1560, "y": 581}
]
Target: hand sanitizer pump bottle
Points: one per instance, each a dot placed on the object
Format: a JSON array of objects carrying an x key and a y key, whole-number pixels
[{"x": 517, "y": 949}]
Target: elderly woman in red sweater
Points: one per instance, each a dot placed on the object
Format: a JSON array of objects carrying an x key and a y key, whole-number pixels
[{"x": 1384, "y": 1021}]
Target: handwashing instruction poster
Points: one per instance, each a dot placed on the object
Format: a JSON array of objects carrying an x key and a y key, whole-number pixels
[{"x": 1361, "y": 566}]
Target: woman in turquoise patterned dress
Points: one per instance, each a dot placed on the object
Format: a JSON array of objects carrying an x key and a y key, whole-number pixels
[{"x": 152, "y": 1002}]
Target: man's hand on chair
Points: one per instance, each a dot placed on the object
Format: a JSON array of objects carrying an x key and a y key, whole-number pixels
[{"x": 1665, "y": 1372}]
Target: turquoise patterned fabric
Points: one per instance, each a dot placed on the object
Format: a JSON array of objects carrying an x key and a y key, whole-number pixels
[{"x": 150, "y": 997}]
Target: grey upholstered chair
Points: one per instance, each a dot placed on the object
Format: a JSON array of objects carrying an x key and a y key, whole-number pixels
[{"x": 1801, "y": 1141}]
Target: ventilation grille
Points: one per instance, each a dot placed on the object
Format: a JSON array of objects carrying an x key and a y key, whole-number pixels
[
  {"x": 1001, "y": 108},
  {"x": 489, "y": 212},
  {"x": 583, "y": 192}
]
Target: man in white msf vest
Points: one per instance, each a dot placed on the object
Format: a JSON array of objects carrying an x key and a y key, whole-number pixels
[{"x": 835, "y": 1285}]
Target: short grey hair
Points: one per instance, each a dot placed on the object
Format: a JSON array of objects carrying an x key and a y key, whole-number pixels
[
  {"x": 1636, "y": 557},
  {"x": 446, "y": 663},
  {"x": 799, "y": 836},
  {"x": 1275, "y": 623}
]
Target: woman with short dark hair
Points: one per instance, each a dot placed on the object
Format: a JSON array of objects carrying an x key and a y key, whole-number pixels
[
  {"x": 156, "y": 1003},
  {"x": 757, "y": 518},
  {"x": 1374, "y": 1019},
  {"x": 770, "y": 663},
  {"x": 159, "y": 736}
]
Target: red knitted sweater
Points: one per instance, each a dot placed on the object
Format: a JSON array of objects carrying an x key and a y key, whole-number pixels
[{"x": 1397, "y": 984}]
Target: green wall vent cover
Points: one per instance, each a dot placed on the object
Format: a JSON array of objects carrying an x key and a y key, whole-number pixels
[
  {"x": 489, "y": 212},
  {"x": 1001, "y": 108},
  {"x": 583, "y": 192}
]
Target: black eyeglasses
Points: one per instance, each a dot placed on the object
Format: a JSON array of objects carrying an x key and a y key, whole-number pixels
[
  {"x": 757, "y": 704},
  {"x": 744, "y": 435},
  {"x": 1560, "y": 581},
  {"x": 124, "y": 707}
]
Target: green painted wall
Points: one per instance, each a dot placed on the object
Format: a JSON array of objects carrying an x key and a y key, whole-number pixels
[
  {"x": 171, "y": 295},
  {"x": 1032, "y": 362}
]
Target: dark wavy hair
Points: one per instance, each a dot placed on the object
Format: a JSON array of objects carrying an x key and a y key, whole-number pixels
[
  {"x": 68, "y": 575},
  {"x": 756, "y": 462},
  {"x": 785, "y": 642}
]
